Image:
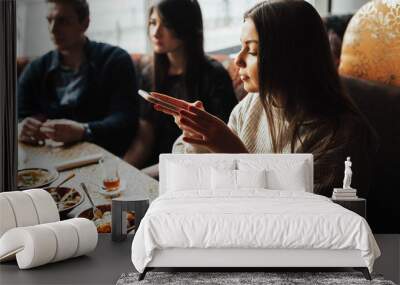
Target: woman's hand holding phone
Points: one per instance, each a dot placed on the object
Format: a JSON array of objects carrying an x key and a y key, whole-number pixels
[
  {"x": 210, "y": 131},
  {"x": 200, "y": 127},
  {"x": 178, "y": 105},
  {"x": 164, "y": 103}
]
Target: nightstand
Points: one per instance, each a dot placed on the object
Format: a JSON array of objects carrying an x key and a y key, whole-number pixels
[{"x": 358, "y": 205}]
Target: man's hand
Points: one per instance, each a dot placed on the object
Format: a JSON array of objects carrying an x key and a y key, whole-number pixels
[
  {"x": 29, "y": 131},
  {"x": 63, "y": 130}
]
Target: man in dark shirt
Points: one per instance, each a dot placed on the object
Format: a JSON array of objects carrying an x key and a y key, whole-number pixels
[{"x": 82, "y": 90}]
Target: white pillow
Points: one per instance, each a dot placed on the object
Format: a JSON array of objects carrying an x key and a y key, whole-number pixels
[
  {"x": 288, "y": 174},
  {"x": 223, "y": 179},
  {"x": 186, "y": 175},
  {"x": 236, "y": 179},
  {"x": 251, "y": 178}
]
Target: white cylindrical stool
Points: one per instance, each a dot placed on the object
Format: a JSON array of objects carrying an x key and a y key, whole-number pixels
[
  {"x": 7, "y": 217},
  {"x": 32, "y": 246},
  {"x": 23, "y": 208},
  {"x": 40, "y": 244},
  {"x": 45, "y": 206}
]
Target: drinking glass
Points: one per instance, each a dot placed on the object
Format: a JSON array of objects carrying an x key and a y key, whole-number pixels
[{"x": 110, "y": 175}]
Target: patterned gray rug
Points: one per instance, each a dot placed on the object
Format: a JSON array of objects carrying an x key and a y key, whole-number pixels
[{"x": 243, "y": 278}]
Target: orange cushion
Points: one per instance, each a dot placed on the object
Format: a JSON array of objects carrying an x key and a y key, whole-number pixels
[{"x": 371, "y": 44}]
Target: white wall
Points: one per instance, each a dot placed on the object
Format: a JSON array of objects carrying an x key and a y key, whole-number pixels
[
  {"x": 118, "y": 22},
  {"x": 33, "y": 36},
  {"x": 320, "y": 5},
  {"x": 122, "y": 22},
  {"x": 346, "y": 6}
]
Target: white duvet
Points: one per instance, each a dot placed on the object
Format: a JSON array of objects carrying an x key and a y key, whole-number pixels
[{"x": 253, "y": 218}]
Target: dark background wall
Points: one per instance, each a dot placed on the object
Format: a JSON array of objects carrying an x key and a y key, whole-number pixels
[{"x": 8, "y": 119}]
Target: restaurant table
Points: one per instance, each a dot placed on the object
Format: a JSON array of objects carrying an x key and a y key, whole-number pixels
[{"x": 138, "y": 184}]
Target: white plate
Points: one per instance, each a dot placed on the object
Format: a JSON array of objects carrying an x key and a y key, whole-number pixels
[
  {"x": 121, "y": 188},
  {"x": 29, "y": 178}
]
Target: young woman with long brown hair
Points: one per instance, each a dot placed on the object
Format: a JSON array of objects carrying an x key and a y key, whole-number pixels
[
  {"x": 295, "y": 104},
  {"x": 180, "y": 68}
]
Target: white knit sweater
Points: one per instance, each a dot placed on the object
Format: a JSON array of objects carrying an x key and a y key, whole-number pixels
[{"x": 249, "y": 122}]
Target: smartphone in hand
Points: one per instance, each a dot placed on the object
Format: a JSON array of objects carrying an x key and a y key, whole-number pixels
[{"x": 148, "y": 97}]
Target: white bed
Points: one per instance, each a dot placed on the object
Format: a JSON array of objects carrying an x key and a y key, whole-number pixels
[{"x": 201, "y": 219}]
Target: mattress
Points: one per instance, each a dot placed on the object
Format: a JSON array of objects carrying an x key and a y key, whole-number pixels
[{"x": 251, "y": 219}]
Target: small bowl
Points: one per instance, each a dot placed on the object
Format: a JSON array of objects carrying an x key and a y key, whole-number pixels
[
  {"x": 106, "y": 226},
  {"x": 73, "y": 200}
]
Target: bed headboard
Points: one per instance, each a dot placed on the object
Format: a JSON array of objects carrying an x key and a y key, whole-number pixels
[{"x": 240, "y": 161}]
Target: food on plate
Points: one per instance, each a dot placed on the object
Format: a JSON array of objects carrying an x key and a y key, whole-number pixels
[
  {"x": 103, "y": 222},
  {"x": 130, "y": 217},
  {"x": 33, "y": 177},
  {"x": 66, "y": 198},
  {"x": 68, "y": 204}
]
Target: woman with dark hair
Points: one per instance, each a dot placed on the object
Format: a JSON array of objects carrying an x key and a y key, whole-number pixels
[
  {"x": 181, "y": 69},
  {"x": 295, "y": 104}
]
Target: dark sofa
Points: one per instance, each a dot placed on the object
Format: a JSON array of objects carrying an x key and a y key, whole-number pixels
[{"x": 381, "y": 105}]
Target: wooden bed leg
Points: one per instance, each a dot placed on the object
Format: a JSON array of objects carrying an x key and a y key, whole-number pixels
[
  {"x": 142, "y": 275},
  {"x": 364, "y": 271}
]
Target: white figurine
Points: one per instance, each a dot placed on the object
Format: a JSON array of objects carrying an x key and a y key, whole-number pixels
[{"x": 347, "y": 174}]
